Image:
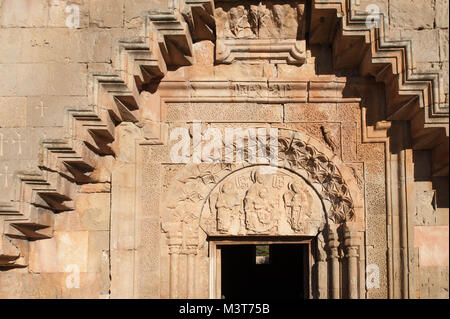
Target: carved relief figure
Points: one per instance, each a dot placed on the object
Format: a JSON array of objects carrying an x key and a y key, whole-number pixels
[
  {"x": 260, "y": 19},
  {"x": 226, "y": 204},
  {"x": 239, "y": 25},
  {"x": 260, "y": 207},
  {"x": 297, "y": 205}
]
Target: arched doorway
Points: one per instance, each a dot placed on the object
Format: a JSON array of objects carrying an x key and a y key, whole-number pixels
[{"x": 304, "y": 203}]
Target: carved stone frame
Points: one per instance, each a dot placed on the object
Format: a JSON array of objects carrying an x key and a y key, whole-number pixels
[
  {"x": 137, "y": 239},
  {"x": 215, "y": 262}
]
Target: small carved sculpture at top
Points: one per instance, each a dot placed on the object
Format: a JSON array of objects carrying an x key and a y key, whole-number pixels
[{"x": 260, "y": 19}]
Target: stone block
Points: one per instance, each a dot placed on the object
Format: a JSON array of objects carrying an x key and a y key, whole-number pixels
[
  {"x": 67, "y": 79},
  {"x": 16, "y": 144},
  {"x": 60, "y": 13},
  {"x": 425, "y": 204},
  {"x": 381, "y": 4},
  {"x": 8, "y": 80},
  {"x": 425, "y": 44},
  {"x": 94, "y": 210},
  {"x": 229, "y": 112},
  {"x": 32, "y": 79},
  {"x": 80, "y": 286},
  {"x": 72, "y": 250},
  {"x": 98, "y": 250},
  {"x": 443, "y": 44},
  {"x": 68, "y": 221},
  {"x": 49, "y": 111},
  {"x": 13, "y": 112},
  {"x": 204, "y": 53},
  {"x": 43, "y": 256},
  {"x": 23, "y": 13},
  {"x": 8, "y": 170},
  {"x": 433, "y": 245},
  {"x": 442, "y": 13},
  {"x": 106, "y": 14},
  {"x": 412, "y": 14},
  {"x": 433, "y": 282},
  {"x": 134, "y": 8},
  {"x": 11, "y": 45}
]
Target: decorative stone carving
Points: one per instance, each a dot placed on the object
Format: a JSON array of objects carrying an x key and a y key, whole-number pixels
[
  {"x": 260, "y": 206},
  {"x": 276, "y": 30},
  {"x": 260, "y": 19},
  {"x": 297, "y": 202},
  {"x": 327, "y": 137},
  {"x": 243, "y": 199},
  {"x": 226, "y": 204},
  {"x": 321, "y": 170},
  {"x": 248, "y": 202}
]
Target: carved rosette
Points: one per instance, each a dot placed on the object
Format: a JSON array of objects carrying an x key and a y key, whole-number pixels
[{"x": 321, "y": 170}]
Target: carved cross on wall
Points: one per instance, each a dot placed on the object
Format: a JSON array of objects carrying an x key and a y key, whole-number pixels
[
  {"x": 3, "y": 141},
  {"x": 6, "y": 174},
  {"x": 19, "y": 140},
  {"x": 42, "y": 106}
]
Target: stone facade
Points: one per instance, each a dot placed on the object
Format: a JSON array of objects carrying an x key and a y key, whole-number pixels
[{"x": 93, "y": 205}]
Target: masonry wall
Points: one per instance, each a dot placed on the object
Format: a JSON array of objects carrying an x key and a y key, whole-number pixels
[{"x": 44, "y": 67}]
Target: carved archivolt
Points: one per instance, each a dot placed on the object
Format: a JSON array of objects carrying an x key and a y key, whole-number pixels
[
  {"x": 323, "y": 171},
  {"x": 304, "y": 192}
]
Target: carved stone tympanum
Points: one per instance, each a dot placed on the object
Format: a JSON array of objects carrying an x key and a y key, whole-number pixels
[{"x": 251, "y": 202}]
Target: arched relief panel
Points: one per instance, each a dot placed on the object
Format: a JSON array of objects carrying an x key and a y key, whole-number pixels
[
  {"x": 301, "y": 159},
  {"x": 309, "y": 193},
  {"x": 250, "y": 201}
]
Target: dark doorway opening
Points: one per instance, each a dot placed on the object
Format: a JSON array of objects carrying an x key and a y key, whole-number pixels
[{"x": 274, "y": 271}]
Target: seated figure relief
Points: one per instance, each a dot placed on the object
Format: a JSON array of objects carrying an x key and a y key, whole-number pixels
[
  {"x": 251, "y": 202},
  {"x": 260, "y": 206}
]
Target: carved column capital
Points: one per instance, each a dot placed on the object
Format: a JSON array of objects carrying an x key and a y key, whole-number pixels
[
  {"x": 351, "y": 235},
  {"x": 191, "y": 241},
  {"x": 352, "y": 251},
  {"x": 175, "y": 242}
]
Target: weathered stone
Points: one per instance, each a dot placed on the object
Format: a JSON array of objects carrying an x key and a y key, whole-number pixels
[
  {"x": 425, "y": 44},
  {"x": 359, "y": 184},
  {"x": 443, "y": 44},
  {"x": 432, "y": 242},
  {"x": 404, "y": 14},
  {"x": 107, "y": 14},
  {"x": 23, "y": 13},
  {"x": 442, "y": 13},
  {"x": 13, "y": 111},
  {"x": 94, "y": 210}
]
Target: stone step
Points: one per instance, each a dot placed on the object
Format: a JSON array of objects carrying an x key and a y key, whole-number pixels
[
  {"x": 173, "y": 36},
  {"x": 199, "y": 15}
]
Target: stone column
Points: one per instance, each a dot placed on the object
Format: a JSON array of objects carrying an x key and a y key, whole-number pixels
[
  {"x": 322, "y": 268},
  {"x": 191, "y": 251},
  {"x": 175, "y": 244},
  {"x": 351, "y": 247},
  {"x": 333, "y": 258}
]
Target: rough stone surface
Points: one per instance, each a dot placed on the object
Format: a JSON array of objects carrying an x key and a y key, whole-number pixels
[
  {"x": 112, "y": 216},
  {"x": 404, "y": 14}
]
